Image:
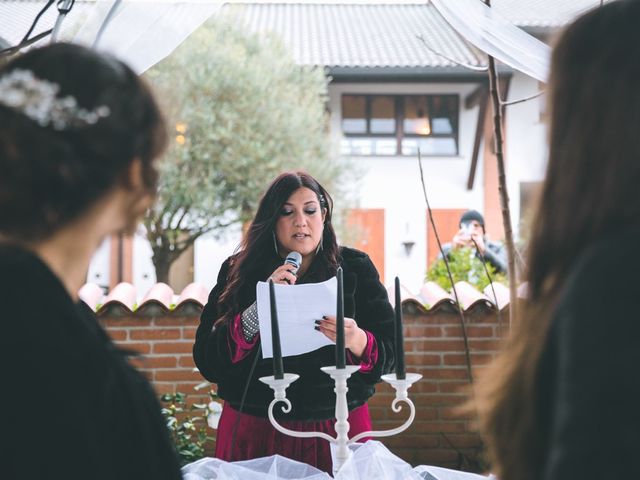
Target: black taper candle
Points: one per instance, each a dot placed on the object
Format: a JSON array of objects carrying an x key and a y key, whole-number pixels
[
  {"x": 340, "y": 353},
  {"x": 278, "y": 369},
  {"x": 400, "y": 369}
]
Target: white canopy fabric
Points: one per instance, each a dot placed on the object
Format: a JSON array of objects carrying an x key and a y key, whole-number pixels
[
  {"x": 143, "y": 32},
  {"x": 369, "y": 461},
  {"x": 491, "y": 33}
]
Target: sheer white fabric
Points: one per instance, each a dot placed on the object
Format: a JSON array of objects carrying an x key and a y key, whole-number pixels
[
  {"x": 491, "y": 33},
  {"x": 370, "y": 461},
  {"x": 142, "y": 32}
]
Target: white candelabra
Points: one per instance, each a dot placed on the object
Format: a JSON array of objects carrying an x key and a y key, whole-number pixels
[
  {"x": 340, "y": 376},
  {"x": 280, "y": 381}
]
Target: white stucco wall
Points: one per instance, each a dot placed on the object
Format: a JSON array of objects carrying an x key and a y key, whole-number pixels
[
  {"x": 99, "y": 268},
  {"x": 526, "y": 142},
  {"x": 393, "y": 183},
  {"x": 211, "y": 252}
]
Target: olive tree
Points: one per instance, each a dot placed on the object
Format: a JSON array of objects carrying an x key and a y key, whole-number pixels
[{"x": 240, "y": 111}]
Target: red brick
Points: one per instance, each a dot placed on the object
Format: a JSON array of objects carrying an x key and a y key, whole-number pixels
[
  {"x": 454, "y": 387},
  {"x": 473, "y": 331},
  {"x": 454, "y": 359},
  {"x": 440, "y": 318},
  {"x": 406, "y": 454},
  {"x": 378, "y": 415},
  {"x": 165, "y": 321},
  {"x": 162, "y": 388},
  {"x": 172, "y": 347},
  {"x": 413, "y": 441},
  {"x": 177, "y": 321},
  {"x": 118, "y": 334},
  {"x": 189, "y": 387},
  {"x": 447, "y": 373},
  {"x": 186, "y": 361},
  {"x": 118, "y": 322},
  {"x": 381, "y": 400},
  {"x": 454, "y": 413},
  {"x": 468, "y": 440},
  {"x": 440, "y": 400},
  {"x": 484, "y": 345},
  {"x": 423, "y": 331},
  {"x": 155, "y": 334},
  {"x": 436, "y": 457},
  {"x": 139, "y": 347},
  {"x": 426, "y": 413},
  {"x": 148, "y": 374},
  {"x": 421, "y": 359},
  {"x": 461, "y": 359},
  {"x": 481, "y": 331},
  {"x": 439, "y": 427},
  {"x": 176, "y": 375},
  {"x": 418, "y": 331},
  {"x": 443, "y": 345},
  {"x": 189, "y": 333},
  {"x": 159, "y": 362},
  {"x": 423, "y": 386}
]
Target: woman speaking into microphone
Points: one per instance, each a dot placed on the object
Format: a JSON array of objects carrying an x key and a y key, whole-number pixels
[{"x": 294, "y": 215}]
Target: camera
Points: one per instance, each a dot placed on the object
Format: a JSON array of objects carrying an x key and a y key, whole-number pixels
[{"x": 467, "y": 228}]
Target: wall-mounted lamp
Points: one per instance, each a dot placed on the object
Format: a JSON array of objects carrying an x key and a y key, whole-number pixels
[
  {"x": 408, "y": 242},
  {"x": 408, "y": 246}
]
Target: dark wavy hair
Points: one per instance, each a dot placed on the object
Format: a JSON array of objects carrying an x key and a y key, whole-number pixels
[
  {"x": 50, "y": 177},
  {"x": 590, "y": 190},
  {"x": 257, "y": 257}
]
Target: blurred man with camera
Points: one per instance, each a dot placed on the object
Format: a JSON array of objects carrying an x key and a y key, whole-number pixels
[{"x": 472, "y": 235}]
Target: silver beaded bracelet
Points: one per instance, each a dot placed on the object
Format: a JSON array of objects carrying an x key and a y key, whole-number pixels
[{"x": 250, "y": 324}]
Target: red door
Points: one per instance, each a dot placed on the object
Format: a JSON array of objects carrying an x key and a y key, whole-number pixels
[
  {"x": 365, "y": 231},
  {"x": 447, "y": 222}
]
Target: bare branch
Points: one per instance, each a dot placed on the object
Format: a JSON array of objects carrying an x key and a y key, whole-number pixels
[
  {"x": 446, "y": 263},
  {"x": 185, "y": 211},
  {"x": 521, "y": 100},
  {"x": 457, "y": 62}
]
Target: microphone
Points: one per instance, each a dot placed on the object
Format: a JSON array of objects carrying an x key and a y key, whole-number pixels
[{"x": 295, "y": 260}]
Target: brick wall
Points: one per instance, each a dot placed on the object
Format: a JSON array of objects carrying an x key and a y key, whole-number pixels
[{"x": 434, "y": 348}]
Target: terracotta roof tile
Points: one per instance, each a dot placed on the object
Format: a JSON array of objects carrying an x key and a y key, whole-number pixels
[
  {"x": 91, "y": 294},
  {"x": 162, "y": 300},
  {"x": 501, "y": 297},
  {"x": 157, "y": 301},
  {"x": 434, "y": 295},
  {"x": 120, "y": 301},
  {"x": 469, "y": 297},
  {"x": 194, "y": 292}
]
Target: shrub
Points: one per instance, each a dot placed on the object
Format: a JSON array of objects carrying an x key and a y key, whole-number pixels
[
  {"x": 188, "y": 424},
  {"x": 465, "y": 266}
]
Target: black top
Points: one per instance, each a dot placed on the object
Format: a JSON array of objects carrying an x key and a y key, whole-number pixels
[
  {"x": 72, "y": 406},
  {"x": 589, "y": 383},
  {"x": 312, "y": 396}
]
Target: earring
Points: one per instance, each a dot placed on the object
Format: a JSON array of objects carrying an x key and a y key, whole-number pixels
[
  {"x": 275, "y": 243},
  {"x": 320, "y": 243}
]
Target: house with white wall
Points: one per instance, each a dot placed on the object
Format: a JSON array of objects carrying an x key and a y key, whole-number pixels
[
  {"x": 390, "y": 93},
  {"x": 400, "y": 78}
]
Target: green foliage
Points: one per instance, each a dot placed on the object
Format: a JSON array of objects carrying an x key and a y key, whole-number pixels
[
  {"x": 465, "y": 266},
  {"x": 240, "y": 112},
  {"x": 187, "y": 425}
]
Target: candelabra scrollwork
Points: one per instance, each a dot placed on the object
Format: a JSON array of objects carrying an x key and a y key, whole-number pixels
[{"x": 340, "y": 377}]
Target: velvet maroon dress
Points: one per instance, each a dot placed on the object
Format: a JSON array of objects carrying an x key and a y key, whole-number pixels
[
  {"x": 225, "y": 358},
  {"x": 255, "y": 436}
]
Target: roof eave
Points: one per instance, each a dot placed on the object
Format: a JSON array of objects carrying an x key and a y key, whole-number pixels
[{"x": 409, "y": 74}]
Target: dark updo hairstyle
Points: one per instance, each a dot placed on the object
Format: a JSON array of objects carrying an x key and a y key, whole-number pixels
[
  {"x": 257, "y": 257},
  {"x": 50, "y": 177}
]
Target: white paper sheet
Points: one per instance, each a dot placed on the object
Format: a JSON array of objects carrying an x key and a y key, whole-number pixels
[{"x": 298, "y": 307}]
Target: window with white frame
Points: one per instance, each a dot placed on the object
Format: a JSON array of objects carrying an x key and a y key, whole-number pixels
[{"x": 400, "y": 124}]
